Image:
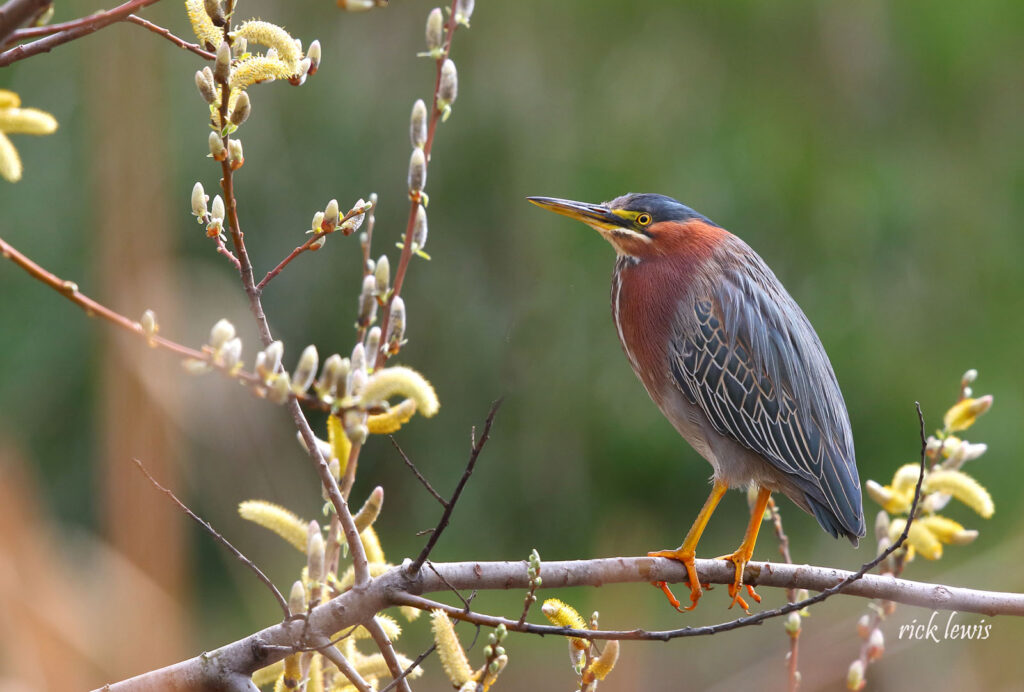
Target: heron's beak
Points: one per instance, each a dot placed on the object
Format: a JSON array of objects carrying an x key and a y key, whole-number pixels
[{"x": 597, "y": 216}]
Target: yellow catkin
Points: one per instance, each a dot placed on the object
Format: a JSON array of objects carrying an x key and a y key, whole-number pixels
[
  {"x": 393, "y": 419},
  {"x": 347, "y": 579},
  {"x": 387, "y": 623},
  {"x": 258, "y": 68},
  {"x": 905, "y": 479},
  {"x": 292, "y": 671},
  {"x": 401, "y": 381},
  {"x": 604, "y": 663},
  {"x": 562, "y": 614},
  {"x": 315, "y": 674},
  {"x": 919, "y": 538},
  {"x": 370, "y": 510},
  {"x": 371, "y": 544},
  {"x": 272, "y": 36},
  {"x": 265, "y": 676},
  {"x": 962, "y": 487},
  {"x": 9, "y": 99},
  {"x": 341, "y": 446},
  {"x": 376, "y": 666},
  {"x": 27, "y": 121},
  {"x": 410, "y": 613},
  {"x": 278, "y": 519},
  {"x": 208, "y": 34},
  {"x": 943, "y": 528},
  {"x": 453, "y": 656},
  {"x": 10, "y": 162},
  {"x": 963, "y": 413}
]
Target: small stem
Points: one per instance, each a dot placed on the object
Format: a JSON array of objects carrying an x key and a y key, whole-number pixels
[{"x": 180, "y": 42}]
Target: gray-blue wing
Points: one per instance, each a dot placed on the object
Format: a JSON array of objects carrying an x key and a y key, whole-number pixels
[{"x": 750, "y": 360}]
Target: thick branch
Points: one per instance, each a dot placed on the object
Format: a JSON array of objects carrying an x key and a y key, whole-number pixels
[{"x": 397, "y": 586}]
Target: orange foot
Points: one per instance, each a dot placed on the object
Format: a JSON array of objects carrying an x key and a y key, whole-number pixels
[
  {"x": 686, "y": 557},
  {"x": 740, "y": 558}
]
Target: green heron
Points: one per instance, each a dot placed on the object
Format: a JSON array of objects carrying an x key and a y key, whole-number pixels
[{"x": 733, "y": 363}]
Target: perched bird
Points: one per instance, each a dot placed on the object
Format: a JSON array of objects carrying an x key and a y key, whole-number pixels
[{"x": 733, "y": 363}]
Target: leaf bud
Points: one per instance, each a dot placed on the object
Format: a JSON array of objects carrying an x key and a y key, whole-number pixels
[
  {"x": 358, "y": 361},
  {"x": 314, "y": 57},
  {"x": 448, "y": 90},
  {"x": 396, "y": 325},
  {"x": 355, "y": 217},
  {"x": 419, "y": 229},
  {"x": 268, "y": 361},
  {"x": 231, "y": 353},
  {"x": 327, "y": 384},
  {"x": 279, "y": 389},
  {"x": 417, "y": 172},
  {"x": 876, "y": 645},
  {"x": 315, "y": 558},
  {"x": 373, "y": 343},
  {"x": 222, "y": 332},
  {"x": 355, "y": 426},
  {"x": 215, "y": 10},
  {"x": 463, "y": 11},
  {"x": 331, "y": 213},
  {"x": 240, "y": 113},
  {"x": 969, "y": 376},
  {"x": 322, "y": 446},
  {"x": 792, "y": 624},
  {"x": 417, "y": 123},
  {"x": 368, "y": 302},
  {"x": 217, "y": 150},
  {"x": 222, "y": 66},
  {"x": 305, "y": 370},
  {"x": 235, "y": 154},
  {"x": 205, "y": 86},
  {"x": 435, "y": 32},
  {"x": 199, "y": 200},
  {"x": 382, "y": 273},
  {"x": 855, "y": 676},
  {"x": 356, "y": 5},
  {"x": 297, "y": 599},
  {"x": 149, "y": 324}
]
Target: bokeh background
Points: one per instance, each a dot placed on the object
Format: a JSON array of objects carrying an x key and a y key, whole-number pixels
[{"x": 871, "y": 152}]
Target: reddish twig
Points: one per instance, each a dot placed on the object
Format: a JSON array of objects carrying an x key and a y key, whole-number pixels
[
  {"x": 14, "y": 13},
  {"x": 69, "y": 31},
  {"x": 180, "y": 42},
  {"x": 419, "y": 476}
]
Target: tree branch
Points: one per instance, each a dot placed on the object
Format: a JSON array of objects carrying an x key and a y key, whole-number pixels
[{"x": 14, "y": 13}]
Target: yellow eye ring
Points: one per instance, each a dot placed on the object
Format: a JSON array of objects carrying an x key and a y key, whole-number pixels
[{"x": 643, "y": 219}]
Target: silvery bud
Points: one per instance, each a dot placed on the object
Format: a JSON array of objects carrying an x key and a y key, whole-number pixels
[
  {"x": 368, "y": 302},
  {"x": 205, "y": 86},
  {"x": 355, "y": 426},
  {"x": 876, "y": 645},
  {"x": 240, "y": 113},
  {"x": 358, "y": 361},
  {"x": 305, "y": 370},
  {"x": 231, "y": 353},
  {"x": 373, "y": 342},
  {"x": 448, "y": 90},
  {"x": 297, "y": 599},
  {"x": 417, "y": 171},
  {"x": 216, "y": 12},
  {"x": 317, "y": 225},
  {"x": 269, "y": 359},
  {"x": 314, "y": 57},
  {"x": 199, "y": 200},
  {"x": 969, "y": 376},
  {"x": 396, "y": 325},
  {"x": 221, "y": 333},
  {"x": 417, "y": 123},
  {"x": 241, "y": 45},
  {"x": 419, "y": 229},
  {"x": 327, "y": 384},
  {"x": 356, "y": 381},
  {"x": 235, "y": 154},
  {"x": 382, "y": 274},
  {"x": 331, "y": 214},
  {"x": 356, "y": 5},
  {"x": 217, "y": 150},
  {"x": 463, "y": 11},
  {"x": 217, "y": 210},
  {"x": 280, "y": 388},
  {"x": 435, "y": 31},
  {"x": 222, "y": 66},
  {"x": 315, "y": 558},
  {"x": 148, "y": 323},
  {"x": 354, "y": 221},
  {"x": 324, "y": 447}
]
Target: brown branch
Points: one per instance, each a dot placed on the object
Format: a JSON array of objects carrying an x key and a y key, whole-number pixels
[
  {"x": 70, "y": 31},
  {"x": 446, "y": 516},
  {"x": 14, "y": 13},
  {"x": 387, "y": 650},
  {"x": 219, "y": 538},
  {"x": 416, "y": 472},
  {"x": 176, "y": 40}
]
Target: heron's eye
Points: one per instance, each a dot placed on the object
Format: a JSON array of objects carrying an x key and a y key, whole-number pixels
[{"x": 643, "y": 219}]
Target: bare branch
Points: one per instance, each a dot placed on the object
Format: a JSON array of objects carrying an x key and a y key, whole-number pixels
[
  {"x": 446, "y": 516},
  {"x": 388, "y": 651},
  {"x": 220, "y": 538},
  {"x": 14, "y": 13},
  {"x": 176, "y": 40},
  {"x": 416, "y": 472}
]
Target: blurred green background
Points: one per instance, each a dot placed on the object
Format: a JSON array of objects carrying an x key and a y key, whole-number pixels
[{"x": 870, "y": 152}]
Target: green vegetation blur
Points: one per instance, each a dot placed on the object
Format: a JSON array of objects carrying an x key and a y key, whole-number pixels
[{"x": 871, "y": 152}]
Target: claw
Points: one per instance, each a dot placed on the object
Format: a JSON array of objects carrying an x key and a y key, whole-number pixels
[
  {"x": 691, "y": 573},
  {"x": 740, "y": 559}
]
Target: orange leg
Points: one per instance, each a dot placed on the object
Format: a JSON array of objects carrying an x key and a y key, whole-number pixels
[
  {"x": 742, "y": 556},
  {"x": 688, "y": 550}
]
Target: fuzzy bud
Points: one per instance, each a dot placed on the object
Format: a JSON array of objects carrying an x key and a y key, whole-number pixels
[
  {"x": 358, "y": 361},
  {"x": 327, "y": 385},
  {"x": 217, "y": 150},
  {"x": 205, "y": 86},
  {"x": 463, "y": 11},
  {"x": 417, "y": 123},
  {"x": 864, "y": 626},
  {"x": 356, "y": 5},
  {"x": 199, "y": 200},
  {"x": 315, "y": 558},
  {"x": 792, "y": 624},
  {"x": 382, "y": 273},
  {"x": 969, "y": 376},
  {"x": 435, "y": 32},
  {"x": 280, "y": 388},
  {"x": 355, "y": 426},
  {"x": 855, "y": 676},
  {"x": 269, "y": 359},
  {"x": 417, "y": 172},
  {"x": 419, "y": 229},
  {"x": 355, "y": 220},
  {"x": 231, "y": 353},
  {"x": 217, "y": 209},
  {"x": 368, "y": 302},
  {"x": 331, "y": 213},
  {"x": 373, "y": 342},
  {"x": 876, "y": 645},
  {"x": 215, "y": 10},
  {"x": 297, "y": 599},
  {"x": 221, "y": 333},
  {"x": 448, "y": 90},
  {"x": 396, "y": 325},
  {"x": 240, "y": 113},
  {"x": 322, "y": 446},
  {"x": 222, "y": 66},
  {"x": 314, "y": 57},
  {"x": 305, "y": 370},
  {"x": 235, "y": 154}
]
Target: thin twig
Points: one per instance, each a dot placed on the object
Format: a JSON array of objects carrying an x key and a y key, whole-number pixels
[
  {"x": 465, "y": 601},
  {"x": 69, "y": 31},
  {"x": 419, "y": 476},
  {"x": 412, "y": 666},
  {"x": 14, "y": 13},
  {"x": 447, "y": 514},
  {"x": 220, "y": 538},
  {"x": 176, "y": 40},
  {"x": 387, "y": 650}
]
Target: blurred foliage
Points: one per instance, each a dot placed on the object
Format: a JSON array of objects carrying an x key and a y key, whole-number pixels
[{"x": 870, "y": 152}]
